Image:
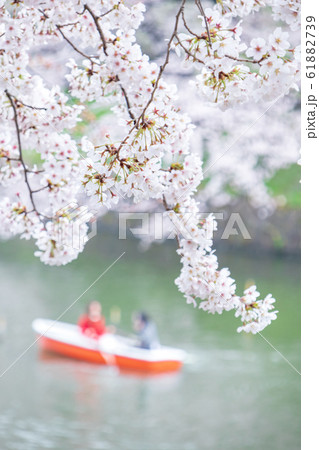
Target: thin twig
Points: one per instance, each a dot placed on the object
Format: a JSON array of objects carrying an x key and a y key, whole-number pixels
[
  {"x": 34, "y": 191},
  {"x": 73, "y": 46},
  {"x": 59, "y": 28},
  {"x": 252, "y": 61},
  {"x": 201, "y": 10},
  {"x": 187, "y": 27},
  {"x": 110, "y": 10},
  {"x": 35, "y": 171},
  {"x": 15, "y": 118},
  {"x": 98, "y": 27},
  {"x": 195, "y": 58},
  {"x": 127, "y": 103},
  {"x": 104, "y": 45},
  {"x": 68, "y": 24},
  {"x": 28, "y": 106},
  {"x": 163, "y": 66}
]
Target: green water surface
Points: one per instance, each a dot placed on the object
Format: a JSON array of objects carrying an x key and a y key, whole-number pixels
[{"x": 236, "y": 391}]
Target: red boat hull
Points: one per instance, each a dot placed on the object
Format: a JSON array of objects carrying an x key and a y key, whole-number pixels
[
  {"x": 96, "y": 357},
  {"x": 72, "y": 351}
]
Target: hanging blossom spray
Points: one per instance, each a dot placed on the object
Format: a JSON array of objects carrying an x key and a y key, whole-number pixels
[{"x": 149, "y": 156}]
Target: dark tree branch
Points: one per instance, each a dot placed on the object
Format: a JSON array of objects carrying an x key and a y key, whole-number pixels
[
  {"x": 252, "y": 61},
  {"x": 128, "y": 105},
  {"x": 72, "y": 45},
  {"x": 98, "y": 27},
  {"x": 28, "y": 106},
  {"x": 163, "y": 66},
  {"x": 15, "y": 118},
  {"x": 110, "y": 10},
  {"x": 104, "y": 45},
  {"x": 187, "y": 27},
  {"x": 34, "y": 191},
  {"x": 191, "y": 55},
  {"x": 201, "y": 10}
]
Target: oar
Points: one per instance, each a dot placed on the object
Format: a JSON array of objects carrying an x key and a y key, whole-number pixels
[
  {"x": 115, "y": 318},
  {"x": 126, "y": 334},
  {"x": 110, "y": 358}
]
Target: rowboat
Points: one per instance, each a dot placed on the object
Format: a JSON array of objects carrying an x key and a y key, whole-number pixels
[{"x": 110, "y": 349}]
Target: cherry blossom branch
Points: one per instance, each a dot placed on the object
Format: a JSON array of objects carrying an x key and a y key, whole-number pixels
[
  {"x": 151, "y": 139},
  {"x": 90, "y": 58},
  {"x": 104, "y": 45},
  {"x": 71, "y": 24},
  {"x": 15, "y": 118},
  {"x": 38, "y": 108},
  {"x": 195, "y": 58},
  {"x": 34, "y": 191},
  {"x": 187, "y": 27},
  {"x": 35, "y": 171},
  {"x": 163, "y": 66},
  {"x": 200, "y": 7},
  {"x": 156, "y": 84},
  {"x": 127, "y": 103},
  {"x": 252, "y": 61},
  {"x": 110, "y": 10},
  {"x": 59, "y": 28},
  {"x": 201, "y": 10},
  {"x": 98, "y": 27},
  {"x": 8, "y": 158}
]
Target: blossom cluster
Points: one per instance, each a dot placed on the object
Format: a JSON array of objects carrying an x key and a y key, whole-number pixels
[
  {"x": 255, "y": 314},
  {"x": 233, "y": 71},
  {"x": 202, "y": 281},
  {"x": 38, "y": 159},
  {"x": 285, "y": 10},
  {"x": 242, "y": 148},
  {"x": 148, "y": 156}
]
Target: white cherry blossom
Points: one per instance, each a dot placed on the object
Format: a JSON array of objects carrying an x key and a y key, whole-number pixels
[{"x": 149, "y": 155}]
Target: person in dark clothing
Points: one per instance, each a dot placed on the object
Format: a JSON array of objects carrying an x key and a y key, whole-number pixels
[{"x": 146, "y": 331}]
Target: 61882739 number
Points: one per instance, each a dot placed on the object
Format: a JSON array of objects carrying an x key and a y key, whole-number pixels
[{"x": 310, "y": 47}]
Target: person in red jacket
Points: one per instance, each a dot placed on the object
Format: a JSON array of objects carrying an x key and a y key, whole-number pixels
[{"x": 92, "y": 323}]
